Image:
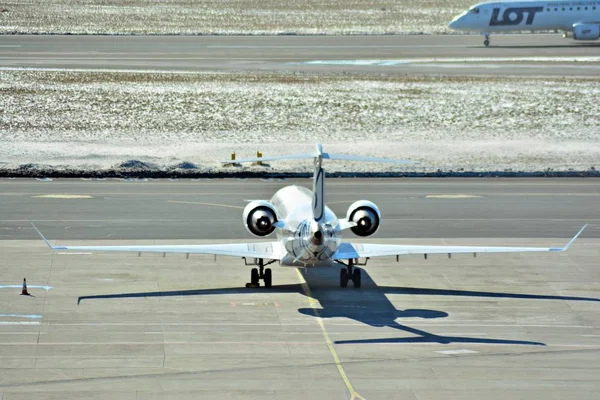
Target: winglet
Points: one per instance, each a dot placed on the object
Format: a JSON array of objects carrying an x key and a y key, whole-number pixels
[
  {"x": 570, "y": 241},
  {"x": 42, "y": 236}
]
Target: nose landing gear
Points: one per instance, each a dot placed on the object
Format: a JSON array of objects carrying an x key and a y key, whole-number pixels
[{"x": 486, "y": 41}]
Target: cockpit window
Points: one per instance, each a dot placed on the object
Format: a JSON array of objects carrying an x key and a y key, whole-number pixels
[{"x": 475, "y": 10}]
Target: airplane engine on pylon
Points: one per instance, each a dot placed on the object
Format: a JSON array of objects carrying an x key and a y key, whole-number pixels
[
  {"x": 582, "y": 31},
  {"x": 259, "y": 218},
  {"x": 366, "y": 215}
]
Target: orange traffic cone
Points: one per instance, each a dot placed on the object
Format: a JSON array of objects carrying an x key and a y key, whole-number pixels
[{"x": 24, "y": 292}]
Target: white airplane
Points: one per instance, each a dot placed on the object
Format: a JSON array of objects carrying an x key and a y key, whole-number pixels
[
  {"x": 582, "y": 18},
  {"x": 308, "y": 232}
]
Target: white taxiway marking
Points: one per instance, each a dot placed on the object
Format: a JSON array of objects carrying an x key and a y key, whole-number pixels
[
  {"x": 63, "y": 196},
  {"x": 32, "y": 316},
  {"x": 10, "y": 45},
  {"x": 19, "y": 322},
  {"x": 459, "y": 351},
  {"x": 46, "y": 288},
  {"x": 127, "y": 71},
  {"x": 588, "y": 59},
  {"x": 451, "y": 196},
  {"x": 389, "y": 46}
]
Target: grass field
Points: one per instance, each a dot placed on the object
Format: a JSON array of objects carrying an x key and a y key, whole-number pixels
[{"x": 101, "y": 118}]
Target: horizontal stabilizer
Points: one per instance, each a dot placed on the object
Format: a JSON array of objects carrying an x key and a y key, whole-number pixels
[
  {"x": 347, "y": 157},
  {"x": 324, "y": 156},
  {"x": 272, "y": 158}
]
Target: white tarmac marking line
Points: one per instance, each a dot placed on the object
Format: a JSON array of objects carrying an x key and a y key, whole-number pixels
[
  {"x": 46, "y": 288},
  {"x": 459, "y": 351},
  {"x": 504, "y": 66},
  {"x": 32, "y": 316},
  {"x": 333, "y": 46},
  {"x": 10, "y": 45},
  {"x": 452, "y": 196},
  {"x": 62, "y": 196},
  {"x": 436, "y": 61},
  {"x": 19, "y": 323}
]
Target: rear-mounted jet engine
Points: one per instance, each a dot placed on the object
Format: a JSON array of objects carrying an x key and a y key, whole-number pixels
[
  {"x": 366, "y": 215},
  {"x": 259, "y": 218}
]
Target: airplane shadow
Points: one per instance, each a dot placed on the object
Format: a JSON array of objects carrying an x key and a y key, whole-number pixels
[{"x": 368, "y": 305}]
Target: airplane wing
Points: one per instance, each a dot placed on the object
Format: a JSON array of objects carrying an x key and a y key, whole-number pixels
[
  {"x": 268, "y": 250},
  {"x": 352, "y": 250}
]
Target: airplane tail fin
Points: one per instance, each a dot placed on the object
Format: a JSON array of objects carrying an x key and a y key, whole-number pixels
[{"x": 319, "y": 174}]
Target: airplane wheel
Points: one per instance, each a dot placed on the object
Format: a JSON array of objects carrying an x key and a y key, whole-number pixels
[
  {"x": 343, "y": 277},
  {"x": 254, "y": 277},
  {"x": 268, "y": 278},
  {"x": 356, "y": 278},
  {"x": 486, "y": 43}
]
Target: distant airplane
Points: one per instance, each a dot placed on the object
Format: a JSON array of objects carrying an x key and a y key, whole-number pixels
[
  {"x": 308, "y": 232},
  {"x": 581, "y": 18}
]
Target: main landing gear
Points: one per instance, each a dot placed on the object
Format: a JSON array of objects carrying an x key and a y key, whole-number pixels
[
  {"x": 486, "y": 41},
  {"x": 350, "y": 272},
  {"x": 256, "y": 274}
]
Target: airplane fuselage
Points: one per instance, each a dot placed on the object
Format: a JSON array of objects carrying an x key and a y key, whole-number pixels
[
  {"x": 506, "y": 16},
  {"x": 307, "y": 242}
]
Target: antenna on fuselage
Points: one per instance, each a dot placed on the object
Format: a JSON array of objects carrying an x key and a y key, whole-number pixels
[{"x": 318, "y": 156}]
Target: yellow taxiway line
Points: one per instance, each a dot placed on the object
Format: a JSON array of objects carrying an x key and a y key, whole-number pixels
[{"x": 353, "y": 394}]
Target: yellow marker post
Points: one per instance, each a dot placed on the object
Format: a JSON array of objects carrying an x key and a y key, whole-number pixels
[
  {"x": 233, "y": 156},
  {"x": 258, "y": 155}
]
